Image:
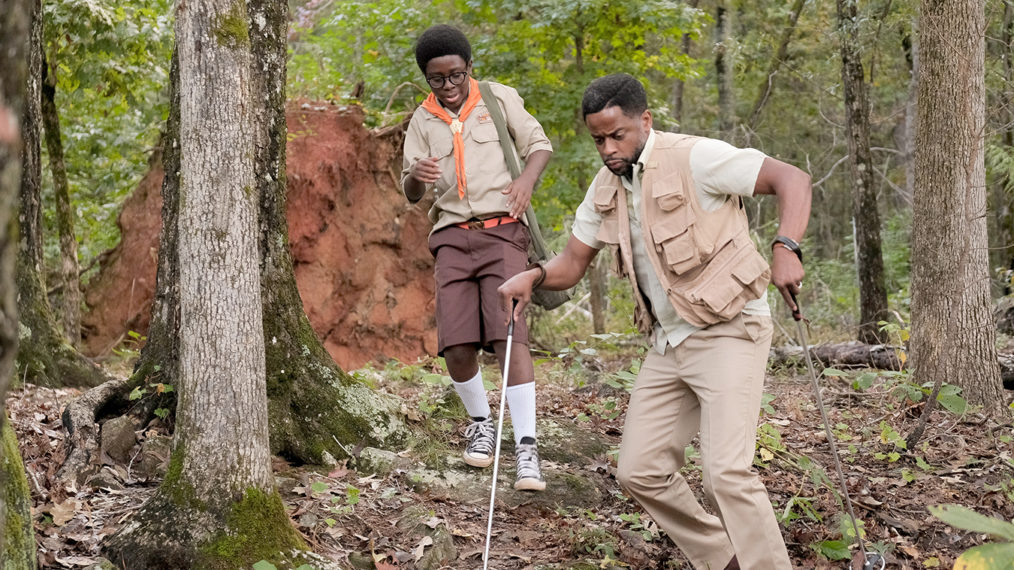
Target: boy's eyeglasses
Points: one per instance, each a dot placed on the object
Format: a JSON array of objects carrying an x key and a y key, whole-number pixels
[{"x": 437, "y": 81}]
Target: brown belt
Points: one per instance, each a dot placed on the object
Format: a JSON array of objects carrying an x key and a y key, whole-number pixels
[{"x": 487, "y": 223}]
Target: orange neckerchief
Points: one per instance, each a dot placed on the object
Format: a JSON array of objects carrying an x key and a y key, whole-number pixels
[{"x": 433, "y": 106}]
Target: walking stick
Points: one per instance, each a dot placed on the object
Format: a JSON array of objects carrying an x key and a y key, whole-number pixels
[
  {"x": 499, "y": 430},
  {"x": 870, "y": 559}
]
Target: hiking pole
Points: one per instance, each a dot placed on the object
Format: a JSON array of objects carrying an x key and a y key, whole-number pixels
[
  {"x": 499, "y": 430},
  {"x": 869, "y": 558}
]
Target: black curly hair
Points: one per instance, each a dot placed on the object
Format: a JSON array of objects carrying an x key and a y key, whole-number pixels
[
  {"x": 441, "y": 40},
  {"x": 620, "y": 89}
]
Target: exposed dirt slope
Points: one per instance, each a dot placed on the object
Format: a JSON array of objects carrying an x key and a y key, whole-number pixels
[{"x": 359, "y": 248}]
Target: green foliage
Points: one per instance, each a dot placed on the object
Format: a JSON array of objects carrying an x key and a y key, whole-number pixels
[
  {"x": 988, "y": 556},
  {"x": 548, "y": 49},
  {"x": 111, "y": 65}
]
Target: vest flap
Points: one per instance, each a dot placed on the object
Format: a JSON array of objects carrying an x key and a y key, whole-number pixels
[
  {"x": 672, "y": 224},
  {"x": 605, "y": 198},
  {"x": 750, "y": 268},
  {"x": 668, "y": 191}
]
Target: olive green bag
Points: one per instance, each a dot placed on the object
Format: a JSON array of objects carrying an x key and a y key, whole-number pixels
[{"x": 537, "y": 251}]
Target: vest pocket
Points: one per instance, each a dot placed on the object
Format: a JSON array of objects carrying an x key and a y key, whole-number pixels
[
  {"x": 681, "y": 254},
  {"x": 674, "y": 238},
  {"x": 668, "y": 192},
  {"x": 753, "y": 273},
  {"x": 734, "y": 276}
]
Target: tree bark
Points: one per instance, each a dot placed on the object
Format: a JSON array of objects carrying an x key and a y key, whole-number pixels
[
  {"x": 952, "y": 330},
  {"x": 219, "y": 485},
  {"x": 21, "y": 18},
  {"x": 70, "y": 309},
  {"x": 44, "y": 356},
  {"x": 764, "y": 90},
  {"x": 865, "y": 211},
  {"x": 911, "y": 46},
  {"x": 723, "y": 73},
  {"x": 314, "y": 408}
]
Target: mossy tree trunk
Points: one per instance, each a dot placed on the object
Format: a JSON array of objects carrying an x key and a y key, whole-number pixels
[
  {"x": 953, "y": 335},
  {"x": 17, "y": 537},
  {"x": 217, "y": 506},
  {"x": 70, "y": 288},
  {"x": 312, "y": 402},
  {"x": 44, "y": 356},
  {"x": 314, "y": 408},
  {"x": 865, "y": 211}
]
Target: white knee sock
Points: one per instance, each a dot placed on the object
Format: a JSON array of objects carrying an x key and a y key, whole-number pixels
[
  {"x": 473, "y": 396},
  {"x": 521, "y": 401}
]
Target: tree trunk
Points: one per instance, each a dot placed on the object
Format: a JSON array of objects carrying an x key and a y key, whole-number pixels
[
  {"x": 44, "y": 357},
  {"x": 1004, "y": 213},
  {"x": 952, "y": 330},
  {"x": 723, "y": 74},
  {"x": 303, "y": 380},
  {"x": 21, "y": 18},
  {"x": 911, "y": 45},
  {"x": 865, "y": 212},
  {"x": 676, "y": 100},
  {"x": 70, "y": 309},
  {"x": 314, "y": 408},
  {"x": 764, "y": 90},
  {"x": 218, "y": 505}
]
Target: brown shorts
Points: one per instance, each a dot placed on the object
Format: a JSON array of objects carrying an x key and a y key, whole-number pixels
[{"x": 470, "y": 265}]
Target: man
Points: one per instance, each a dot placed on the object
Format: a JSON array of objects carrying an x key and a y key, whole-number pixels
[
  {"x": 452, "y": 147},
  {"x": 670, "y": 206}
]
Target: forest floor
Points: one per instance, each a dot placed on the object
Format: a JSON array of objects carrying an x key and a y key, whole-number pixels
[{"x": 360, "y": 518}]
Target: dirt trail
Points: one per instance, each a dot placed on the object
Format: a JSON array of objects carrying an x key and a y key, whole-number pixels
[{"x": 359, "y": 249}]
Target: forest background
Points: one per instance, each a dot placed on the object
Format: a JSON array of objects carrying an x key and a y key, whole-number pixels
[
  {"x": 762, "y": 74},
  {"x": 766, "y": 75}
]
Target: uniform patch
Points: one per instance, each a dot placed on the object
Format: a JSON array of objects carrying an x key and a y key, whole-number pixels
[{"x": 485, "y": 118}]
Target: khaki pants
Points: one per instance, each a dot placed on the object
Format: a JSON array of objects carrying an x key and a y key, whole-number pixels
[{"x": 711, "y": 383}]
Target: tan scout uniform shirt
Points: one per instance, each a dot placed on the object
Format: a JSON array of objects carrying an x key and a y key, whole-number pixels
[
  {"x": 485, "y": 168},
  {"x": 719, "y": 170}
]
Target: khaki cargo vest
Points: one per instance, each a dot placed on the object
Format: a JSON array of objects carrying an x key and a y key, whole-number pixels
[{"x": 705, "y": 261}]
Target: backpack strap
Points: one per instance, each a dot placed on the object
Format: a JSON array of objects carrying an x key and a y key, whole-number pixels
[{"x": 511, "y": 157}]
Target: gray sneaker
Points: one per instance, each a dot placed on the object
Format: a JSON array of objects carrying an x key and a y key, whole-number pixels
[
  {"x": 529, "y": 474},
  {"x": 481, "y": 439}
]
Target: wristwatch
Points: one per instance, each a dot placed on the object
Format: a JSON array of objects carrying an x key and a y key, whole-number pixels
[{"x": 789, "y": 244}]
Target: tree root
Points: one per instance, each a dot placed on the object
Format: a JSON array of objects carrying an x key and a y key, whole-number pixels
[{"x": 80, "y": 417}]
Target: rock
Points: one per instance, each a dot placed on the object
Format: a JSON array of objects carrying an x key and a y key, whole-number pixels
[
  {"x": 1003, "y": 314},
  {"x": 105, "y": 479},
  {"x": 564, "y": 441},
  {"x": 418, "y": 521},
  {"x": 286, "y": 485},
  {"x": 118, "y": 439},
  {"x": 378, "y": 461},
  {"x": 154, "y": 459}
]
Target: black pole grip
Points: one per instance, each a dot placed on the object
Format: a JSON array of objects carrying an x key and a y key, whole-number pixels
[
  {"x": 796, "y": 313},
  {"x": 510, "y": 323}
]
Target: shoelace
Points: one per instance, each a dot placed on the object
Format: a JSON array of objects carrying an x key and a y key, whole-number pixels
[
  {"x": 480, "y": 436},
  {"x": 528, "y": 462}
]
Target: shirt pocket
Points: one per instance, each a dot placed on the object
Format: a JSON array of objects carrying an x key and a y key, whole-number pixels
[
  {"x": 484, "y": 133},
  {"x": 441, "y": 141}
]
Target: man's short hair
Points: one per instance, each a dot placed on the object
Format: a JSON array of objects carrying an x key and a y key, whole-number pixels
[
  {"x": 620, "y": 89},
  {"x": 441, "y": 40}
]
